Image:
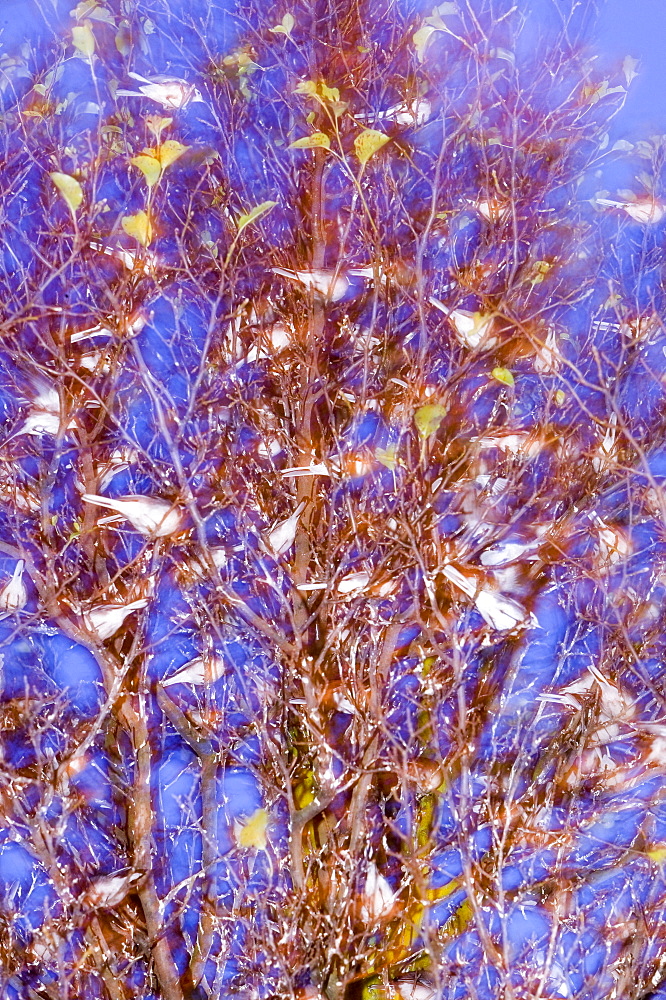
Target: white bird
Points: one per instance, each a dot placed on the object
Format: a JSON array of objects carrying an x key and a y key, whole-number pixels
[
  {"x": 353, "y": 581},
  {"x": 44, "y": 415},
  {"x": 149, "y": 515},
  {"x": 281, "y": 537},
  {"x": 169, "y": 91},
  {"x": 471, "y": 327},
  {"x": 143, "y": 260},
  {"x": 378, "y": 896},
  {"x": 416, "y": 113},
  {"x": 130, "y": 326},
  {"x": 506, "y": 552},
  {"x": 326, "y": 282},
  {"x": 313, "y": 469},
  {"x": 643, "y": 210},
  {"x": 110, "y": 890},
  {"x": 105, "y": 620},
  {"x": 414, "y": 986},
  {"x": 500, "y": 612},
  {"x": 14, "y": 595},
  {"x": 194, "y": 672}
]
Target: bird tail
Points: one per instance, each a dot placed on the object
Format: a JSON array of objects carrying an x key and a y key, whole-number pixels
[
  {"x": 99, "y": 501},
  {"x": 128, "y": 93},
  {"x": 137, "y": 76},
  {"x": 285, "y": 272}
]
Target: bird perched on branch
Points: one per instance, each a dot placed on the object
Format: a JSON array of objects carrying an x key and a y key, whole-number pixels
[
  {"x": 104, "y": 620},
  {"x": 197, "y": 671},
  {"x": 129, "y": 326},
  {"x": 471, "y": 328},
  {"x": 14, "y": 595},
  {"x": 281, "y": 537},
  {"x": 415, "y": 113},
  {"x": 169, "y": 91},
  {"x": 644, "y": 210},
  {"x": 149, "y": 515},
  {"x": 329, "y": 283}
]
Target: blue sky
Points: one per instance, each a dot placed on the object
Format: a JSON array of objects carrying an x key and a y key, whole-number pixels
[{"x": 638, "y": 28}]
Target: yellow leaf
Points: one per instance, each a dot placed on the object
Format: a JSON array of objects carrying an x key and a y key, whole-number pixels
[
  {"x": 428, "y": 418},
  {"x": 252, "y": 833},
  {"x": 367, "y": 143},
  {"x": 657, "y": 853},
  {"x": 139, "y": 227},
  {"x": 123, "y": 39},
  {"x": 321, "y": 91},
  {"x": 421, "y": 38},
  {"x": 387, "y": 456},
  {"x": 329, "y": 93},
  {"x": 308, "y": 88},
  {"x": 248, "y": 217},
  {"x": 156, "y": 124},
  {"x": 83, "y": 39},
  {"x": 318, "y": 140},
  {"x": 540, "y": 269},
  {"x": 503, "y": 375},
  {"x": 304, "y": 790},
  {"x": 286, "y": 27},
  {"x": 170, "y": 151},
  {"x": 69, "y": 188},
  {"x": 149, "y": 167},
  {"x": 560, "y": 396}
]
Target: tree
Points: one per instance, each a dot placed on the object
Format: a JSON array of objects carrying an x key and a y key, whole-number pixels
[{"x": 365, "y": 699}]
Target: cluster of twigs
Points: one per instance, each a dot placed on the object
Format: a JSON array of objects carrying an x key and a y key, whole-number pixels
[{"x": 331, "y": 509}]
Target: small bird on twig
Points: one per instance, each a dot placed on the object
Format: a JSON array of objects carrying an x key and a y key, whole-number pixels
[
  {"x": 281, "y": 537},
  {"x": 328, "y": 283},
  {"x": 415, "y": 113},
  {"x": 14, "y": 595},
  {"x": 104, "y": 620},
  {"x": 133, "y": 260},
  {"x": 129, "y": 326},
  {"x": 644, "y": 210},
  {"x": 169, "y": 91},
  {"x": 194, "y": 672},
  {"x": 149, "y": 515}
]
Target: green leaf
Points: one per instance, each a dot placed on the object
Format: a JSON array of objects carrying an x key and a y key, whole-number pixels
[
  {"x": 320, "y": 91},
  {"x": 149, "y": 167},
  {"x": 503, "y": 375},
  {"x": 388, "y": 456},
  {"x": 329, "y": 93},
  {"x": 252, "y": 833},
  {"x": 69, "y": 188},
  {"x": 83, "y": 39},
  {"x": 318, "y": 140},
  {"x": 139, "y": 227},
  {"x": 308, "y": 88},
  {"x": 248, "y": 217},
  {"x": 428, "y": 418},
  {"x": 123, "y": 38},
  {"x": 421, "y": 38},
  {"x": 286, "y": 27},
  {"x": 367, "y": 143}
]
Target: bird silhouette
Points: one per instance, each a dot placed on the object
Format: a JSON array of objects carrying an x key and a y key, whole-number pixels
[
  {"x": 14, "y": 595},
  {"x": 104, "y": 620},
  {"x": 328, "y": 283},
  {"x": 644, "y": 210},
  {"x": 149, "y": 515},
  {"x": 281, "y": 537},
  {"x": 169, "y": 91}
]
